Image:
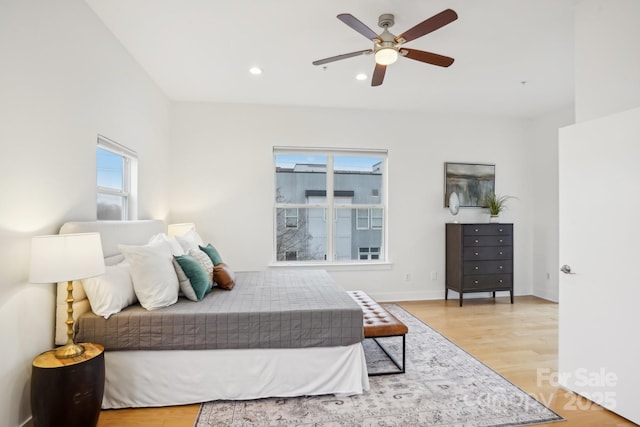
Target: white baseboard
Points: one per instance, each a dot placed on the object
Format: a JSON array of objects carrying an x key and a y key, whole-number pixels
[{"x": 428, "y": 295}]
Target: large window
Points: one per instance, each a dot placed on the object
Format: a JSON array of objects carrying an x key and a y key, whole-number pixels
[
  {"x": 116, "y": 176},
  {"x": 345, "y": 186}
]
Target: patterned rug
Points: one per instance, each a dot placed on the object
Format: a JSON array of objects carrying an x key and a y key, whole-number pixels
[{"x": 443, "y": 386}]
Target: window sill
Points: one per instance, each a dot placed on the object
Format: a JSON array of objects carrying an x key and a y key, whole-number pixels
[{"x": 334, "y": 266}]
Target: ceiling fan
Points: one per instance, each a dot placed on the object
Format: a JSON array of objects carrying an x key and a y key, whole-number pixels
[{"x": 387, "y": 47}]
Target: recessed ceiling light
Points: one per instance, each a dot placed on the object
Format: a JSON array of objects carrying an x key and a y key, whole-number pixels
[
  {"x": 361, "y": 76},
  {"x": 255, "y": 70}
]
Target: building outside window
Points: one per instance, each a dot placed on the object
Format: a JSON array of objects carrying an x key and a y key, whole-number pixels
[
  {"x": 291, "y": 218},
  {"x": 116, "y": 179},
  {"x": 347, "y": 186},
  {"x": 369, "y": 253}
]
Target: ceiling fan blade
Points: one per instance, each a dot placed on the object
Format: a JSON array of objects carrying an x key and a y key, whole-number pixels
[
  {"x": 428, "y": 25},
  {"x": 378, "y": 75},
  {"x": 357, "y": 25},
  {"x": 343, "y": 56},
  {"x": 428, "y": 57}
]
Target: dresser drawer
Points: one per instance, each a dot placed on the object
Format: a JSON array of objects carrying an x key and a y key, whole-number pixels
[
  {"x": 487, "y": 267},
  {"x": 488, "y": 241},
  {"x": 487, "y": 229},
  {"x": 487, "y": 252},
  {"x": 496, "y": 281}
]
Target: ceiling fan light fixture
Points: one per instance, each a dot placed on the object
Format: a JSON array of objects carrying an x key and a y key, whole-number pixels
[{"x": 386, "y": 56}]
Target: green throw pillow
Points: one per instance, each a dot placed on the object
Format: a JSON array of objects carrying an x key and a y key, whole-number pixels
[
  {"x": 213, "y": 254},
  {"x": 197, "y": 275}
]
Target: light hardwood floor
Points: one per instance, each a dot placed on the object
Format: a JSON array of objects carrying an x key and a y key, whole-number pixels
[{"x": 519, "y": 341}]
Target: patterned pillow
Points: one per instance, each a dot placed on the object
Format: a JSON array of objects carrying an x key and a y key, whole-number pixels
[{"x": 204, "y": 260}]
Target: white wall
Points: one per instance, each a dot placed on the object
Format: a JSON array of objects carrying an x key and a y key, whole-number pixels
[
  {"x": 607, "y": 57},
  {"x": 223, "y": 180},
  {"x": 543, "y": 152},
  {"x": 63, "y": 79}
]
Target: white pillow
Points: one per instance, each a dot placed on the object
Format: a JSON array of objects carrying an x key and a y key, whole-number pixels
[
  {"x": 110, "y": 292},
  {"x": 190, "y": 240},
  {"x": 154, "y": 278},
  {"x": 174, "y": 246}
]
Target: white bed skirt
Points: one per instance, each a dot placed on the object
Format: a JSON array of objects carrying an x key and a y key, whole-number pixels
[{"x": 178, "y": 377}]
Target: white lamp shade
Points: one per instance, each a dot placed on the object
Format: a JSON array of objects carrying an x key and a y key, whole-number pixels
[
  {"x": 63, "y": 257},
  {"x": 180, "y": 229},
  {"x": 386, "y": 56}
]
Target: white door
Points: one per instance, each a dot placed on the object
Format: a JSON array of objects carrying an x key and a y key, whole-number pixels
[{"x": 599, "y": 300}]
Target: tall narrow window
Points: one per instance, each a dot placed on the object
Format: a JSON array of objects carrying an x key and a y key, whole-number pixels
[
  {"x": 329, "y": 205},
  {"x": 116, "y": 177}
]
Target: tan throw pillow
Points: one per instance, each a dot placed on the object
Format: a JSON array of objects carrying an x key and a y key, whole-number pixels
[{"x": 224, "y": 276}]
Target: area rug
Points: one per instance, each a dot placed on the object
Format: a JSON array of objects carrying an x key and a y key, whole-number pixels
[{"x": 443, "y": 386}]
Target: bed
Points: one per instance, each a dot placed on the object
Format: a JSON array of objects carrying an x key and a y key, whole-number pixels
[{"x": 282, "y": 335}]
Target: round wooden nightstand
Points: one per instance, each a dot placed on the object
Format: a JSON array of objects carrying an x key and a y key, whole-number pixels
[{"x": 68, "y": 392}]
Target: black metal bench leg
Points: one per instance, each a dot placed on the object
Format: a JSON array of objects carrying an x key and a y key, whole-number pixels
[{"x": 401, "y": 368}]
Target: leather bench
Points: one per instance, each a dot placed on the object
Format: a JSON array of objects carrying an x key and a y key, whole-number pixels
[{"x": 379, "y": 323}]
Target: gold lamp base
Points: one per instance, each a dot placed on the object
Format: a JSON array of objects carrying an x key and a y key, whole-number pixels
[{"x": 69, "y": 350}]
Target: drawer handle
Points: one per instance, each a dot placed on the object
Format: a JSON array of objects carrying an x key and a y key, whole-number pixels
[
  {"x": 476, "y": 230},
  {"x": 500, "y": 230},
  {"x": 500, "y": 253},
  {"x": 476, "y": 240},
  {"x": 476, "y": 267},
  {"x": 475, "y": 281},
  {"x": 477, "y": 254},
  {"x": 500, "y": 281},
  {"x": 500, "y": 240},
  {"x": 500, "y": 267}
]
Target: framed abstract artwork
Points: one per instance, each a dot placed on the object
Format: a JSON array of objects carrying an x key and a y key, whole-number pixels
[{"x": 472, "y": 182}]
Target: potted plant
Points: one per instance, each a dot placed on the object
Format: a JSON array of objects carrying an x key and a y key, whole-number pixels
[{"x": 495, "y": 204}]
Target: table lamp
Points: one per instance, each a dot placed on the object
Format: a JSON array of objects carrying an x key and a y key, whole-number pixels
[
  {"x": 66, "y": 257},
  {"x": 180, "y": 229}
]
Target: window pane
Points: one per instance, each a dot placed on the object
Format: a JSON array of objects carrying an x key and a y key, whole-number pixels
[
  {"x": 360, "y": 177},
  {"x": 352, "y": 243},
  {"x": 110, "y": 167},
  {"x": 307, "y": 242},
  {"x": 110, "y": 207},
  {"x": 299, "y": 177}
]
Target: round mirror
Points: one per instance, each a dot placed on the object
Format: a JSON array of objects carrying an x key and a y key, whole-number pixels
[{"x": 454, "y": 203}]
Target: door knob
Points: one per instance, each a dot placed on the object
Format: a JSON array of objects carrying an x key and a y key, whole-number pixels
[{"x": 566, "y": 269}]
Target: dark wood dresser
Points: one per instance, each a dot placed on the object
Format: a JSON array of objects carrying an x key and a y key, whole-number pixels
[{"x": 479, "y": 258}]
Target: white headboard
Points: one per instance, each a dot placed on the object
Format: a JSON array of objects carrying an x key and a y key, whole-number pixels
[{"x": 112, "y": 233}]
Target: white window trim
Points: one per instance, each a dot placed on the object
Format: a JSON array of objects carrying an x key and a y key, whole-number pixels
[
  {"x": 384, "y": 262},
  {"x": 130, "y": 177}
]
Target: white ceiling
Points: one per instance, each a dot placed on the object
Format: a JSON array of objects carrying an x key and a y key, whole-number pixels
[{"x": 512, "y": 57}]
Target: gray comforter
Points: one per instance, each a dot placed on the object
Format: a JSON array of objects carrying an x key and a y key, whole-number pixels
[{"x": 266, "y": 309}]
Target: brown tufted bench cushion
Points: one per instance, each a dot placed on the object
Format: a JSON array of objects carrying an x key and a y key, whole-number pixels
[{"x": 379, "y": 323}]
